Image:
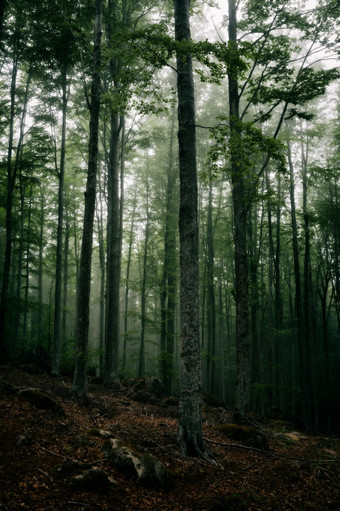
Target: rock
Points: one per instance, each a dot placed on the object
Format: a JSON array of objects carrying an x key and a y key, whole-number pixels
[
  {"x": 93, "y": 479},
  {"x": 144, "y": 467},
  {"x": 102, "y": 433},
  {"x": 41, "y": 401},
  {"x": 247, "y": 435},
  {"x": 296, "y": 436},
  {"x": 87, "y": 437},
  {"x": 82, "y": 440},
  {"x": 24, "y": 440},
  {"x": 68, "y": 467}
]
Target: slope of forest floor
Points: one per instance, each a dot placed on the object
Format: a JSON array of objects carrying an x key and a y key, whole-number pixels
[{"x": 299, "y": 472}]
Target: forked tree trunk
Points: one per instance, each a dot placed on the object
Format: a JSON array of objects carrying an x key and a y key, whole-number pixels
[{"x": 80, "y": 375}]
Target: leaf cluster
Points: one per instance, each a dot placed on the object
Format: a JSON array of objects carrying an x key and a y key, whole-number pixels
[
  {"x": 155, "y": 49},
  {"x": 245, "y": 143}
]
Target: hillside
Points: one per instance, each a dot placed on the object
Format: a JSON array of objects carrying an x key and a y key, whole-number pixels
[{"x": 43, "y": 446}]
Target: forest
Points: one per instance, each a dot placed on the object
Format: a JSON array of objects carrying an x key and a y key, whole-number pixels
[{"x": 169, "y": 200}]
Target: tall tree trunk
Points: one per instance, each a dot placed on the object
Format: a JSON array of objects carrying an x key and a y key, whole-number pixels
[
  {"x": 127, "y": 284},
  {"x": 40, "y": 266},
  {"x": 113, "y": 256},
  {"x": 59, "y": 249},
  {"x": 190, "y": 433},
  {"x": 168, "y": 296},
  {"x": 19, "y": 250},
  {"x": 141, "y": 359},
  {"x": 334, "y": 194},
  {"x": 278, "y": 311},
  {"x": 270, "y": 313},
  {"x": 18, "y": 169},
  {"x": 307, "y": 279},
  {"x": 101, "y": 254},
  {"x": 254, "y": 250},
  {"x": 324, "y": 278},
  {"x": 114, "y": 222},
  {"x": 65, "y": 274},
  {"x": 298, "y": 295},
  {"x": 77, "y": 249},
  {"x": 211, "y": 305},
  {"x": 240, "y": 231},
  {"x": 27, "y": 267},
  {"x": 11, "y": 177},
  {"x": 80, "y": 374}
]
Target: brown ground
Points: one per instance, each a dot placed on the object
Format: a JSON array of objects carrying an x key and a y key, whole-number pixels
[{"x": 34, "y": 442}]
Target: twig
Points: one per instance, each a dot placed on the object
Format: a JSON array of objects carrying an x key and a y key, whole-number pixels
[
  {"x": 248, "y": 467},
  {"x": 274, "y": 454},
  {"x": 65, "y": 458},
  {"x": 45, "y": 474},
  {"x": 97, "y": 462}
]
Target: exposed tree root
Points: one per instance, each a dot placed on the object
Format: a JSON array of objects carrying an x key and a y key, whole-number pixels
[{"x": 273, "y": 454}]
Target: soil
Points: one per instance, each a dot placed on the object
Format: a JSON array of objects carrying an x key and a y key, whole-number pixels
[{"x": 299, "y": 472}]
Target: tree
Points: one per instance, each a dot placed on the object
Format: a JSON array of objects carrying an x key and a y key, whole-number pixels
[
  {"x": 261, "y": 57},
  {"x": 80, "y": 374},
  {"x": 16, "y": 52},
  {"x": 190, "y": 414},
  {"x": 240, "y": 228},
  {"x": 169, "y": 280}
]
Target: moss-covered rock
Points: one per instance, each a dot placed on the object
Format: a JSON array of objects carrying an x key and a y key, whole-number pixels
[
  {"x": 82, "y": 440},
  {"x": 247, "y": 435},
  {"x": 68, "y": 467},
  {"x": 145, "y": 468},
  {"x": 93, "y": 479},
  {"x": 101, "y": 433}
]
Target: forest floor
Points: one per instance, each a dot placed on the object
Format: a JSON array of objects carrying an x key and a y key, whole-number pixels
[{"x": 298, "y": 472}]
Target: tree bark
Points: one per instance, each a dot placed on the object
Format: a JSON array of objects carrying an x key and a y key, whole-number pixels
[
  {"x": 168, "y": 296},
  {"x": 190, "y": 434},
  {"x": 113, "y": 256},
  {"x": 11, "y": 177},
  {"x": 80, "y": 374},
  {"x": 298, "y": 294},
  {"x": 143, "y": 313},
  {"x": 127, "y": 284},
  {"x": 59, "y": 249},
  {"x": 101, "y": 256},
  {"x": 211, "y": 302},
  {"x": 240, "y": 232}
]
